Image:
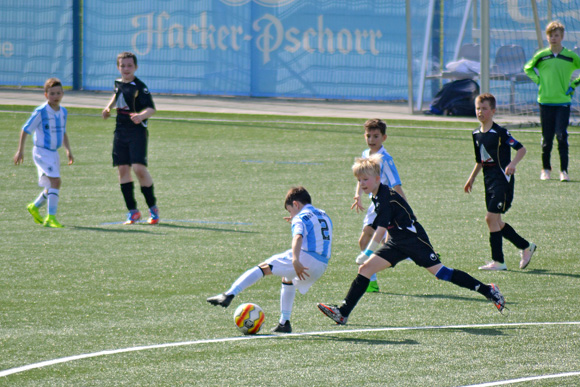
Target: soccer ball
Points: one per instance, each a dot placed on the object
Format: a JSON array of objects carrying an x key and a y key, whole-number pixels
[{"x": 249, "y": 318}]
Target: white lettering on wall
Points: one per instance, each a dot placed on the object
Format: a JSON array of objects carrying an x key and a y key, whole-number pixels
[
  {"x": 6, "y": 49},
  {"x": 155, "y": 31}
]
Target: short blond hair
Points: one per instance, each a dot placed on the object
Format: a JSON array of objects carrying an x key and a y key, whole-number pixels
[
  {"x": 51, "y": 82},
  {"x": 370, "y": 166},
  {"x": 555, "y": 26}
]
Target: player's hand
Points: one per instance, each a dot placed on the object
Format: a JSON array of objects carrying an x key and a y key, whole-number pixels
[
  {"x": 361, "y": 258},
  {"x": 357, "y": 204},
  {"x": 468, "y": 186},
  {"x": 136, "y": 118},
  {"x": 106, "y": 113},
  {"x": 18, "y": 158},
  {"x": 570, "y": 91},
  {"x": 288, "y": 219},
  {"x": 300, "y": 270},
  {"x": 71, "y": 158},
  {"x": 510, "y": 169}
]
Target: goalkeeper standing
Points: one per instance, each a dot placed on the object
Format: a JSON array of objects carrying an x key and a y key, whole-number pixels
[{"x": 551, "y": 69}]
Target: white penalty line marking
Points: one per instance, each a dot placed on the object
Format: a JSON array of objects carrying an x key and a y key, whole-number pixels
[{"x": 68, "y": 359}]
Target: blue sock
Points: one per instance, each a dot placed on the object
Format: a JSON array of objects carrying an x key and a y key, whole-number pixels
[{"x": 373, "y": 277}]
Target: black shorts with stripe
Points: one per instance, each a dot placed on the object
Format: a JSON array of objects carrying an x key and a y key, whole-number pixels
[
  {"x": 408, "y": 244},
  {"x": 130, "y": 146}
]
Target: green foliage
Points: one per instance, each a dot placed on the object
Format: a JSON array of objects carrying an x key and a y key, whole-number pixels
[{"x": 220, "y": 182}]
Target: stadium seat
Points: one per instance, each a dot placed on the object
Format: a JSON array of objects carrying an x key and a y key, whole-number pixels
[{"x": 509, "y": 66}]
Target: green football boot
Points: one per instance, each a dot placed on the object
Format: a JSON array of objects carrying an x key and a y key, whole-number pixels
[
  {"x": 35, "y": 214},
  {"x": 50, "y": 221}
]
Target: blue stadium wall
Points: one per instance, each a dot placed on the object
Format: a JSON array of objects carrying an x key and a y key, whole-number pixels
[{"x": 335, "y": 49}]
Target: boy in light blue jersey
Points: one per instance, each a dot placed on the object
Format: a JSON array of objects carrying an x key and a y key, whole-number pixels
[
  {"x": 300, "y": 266},
  {"x": 48, "y": 124},
  {"x": 375, "y": 136}
]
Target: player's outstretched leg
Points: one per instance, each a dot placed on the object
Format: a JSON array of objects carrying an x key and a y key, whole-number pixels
[{"x": 221, "y": 299}]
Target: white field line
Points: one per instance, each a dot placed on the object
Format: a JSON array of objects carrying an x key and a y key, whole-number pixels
[
  {"x": 527, "y": 379},
  {"x": 68, "y": 359}
]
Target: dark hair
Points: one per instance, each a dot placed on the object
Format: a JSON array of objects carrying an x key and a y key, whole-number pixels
[
  {"x": 51, "y": 82},
  {"x": 125, "y": 55},
  {"x": 298, "y": 194},
  {"x": 487, "y": 97},
  {"x": 376, "y": 124}
]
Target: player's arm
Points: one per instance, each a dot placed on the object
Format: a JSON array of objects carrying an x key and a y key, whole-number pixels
[
  {"x": 296, "y": 249},
  {"x": 375, "y": 242},
  {"x": 511, "y": 168},
  {"x": 469, "y": 184},
  {"x": 357, "y": 199},
  {"x": 66, "y": 145},
  {"x": 529, "y": 69},
  {"x": 19, "y": 156},
  {"x": 107, "y": 109}
]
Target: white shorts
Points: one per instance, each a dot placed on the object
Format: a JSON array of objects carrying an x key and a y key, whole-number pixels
[
  {"x": 370, "y": 216},
  {"x": 281, "y": 265},
  {"x": 47, "y": 164}
]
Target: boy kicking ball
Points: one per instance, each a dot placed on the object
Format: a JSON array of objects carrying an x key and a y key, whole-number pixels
[{"x": 407, "y": 239}]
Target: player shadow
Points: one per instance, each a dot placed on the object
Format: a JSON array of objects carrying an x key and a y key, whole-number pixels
[
  {"x": 546, "y": 272},
  {"x": 437, "y": 296},
  {"x": 192, "y": 227},
  {"x": 363, "y": 341},
  {"x": 130, "y": 230}
]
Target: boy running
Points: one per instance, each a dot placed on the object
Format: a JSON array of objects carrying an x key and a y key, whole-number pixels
[
  {"x": 48, "y": 123},
  {"x": 134, "y": 106},
  {"x": 493, "y": 145},
  {"x": 375, "y": 136},
  {"x": 407, "y": 238},
  {"x": 300, "y": 266}
]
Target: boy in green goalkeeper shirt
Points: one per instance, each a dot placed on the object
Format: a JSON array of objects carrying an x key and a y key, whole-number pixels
[{"x": 554, "y": 65}]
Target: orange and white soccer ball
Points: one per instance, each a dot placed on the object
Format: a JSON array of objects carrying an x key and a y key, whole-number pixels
[{"x": 249, "y": 318}]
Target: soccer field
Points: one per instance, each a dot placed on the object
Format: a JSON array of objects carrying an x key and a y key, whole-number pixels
[{"x": 98, "y": 303}]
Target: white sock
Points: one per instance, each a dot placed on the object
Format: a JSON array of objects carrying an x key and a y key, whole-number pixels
[
  {"x": 52, "y": 201},
  {"x": 40, "y": 200},
  {"x": 246, "y": 280},
  {"x": 287, "y": 294}
]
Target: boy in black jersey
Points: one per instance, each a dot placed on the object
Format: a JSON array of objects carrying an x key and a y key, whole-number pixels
[
  {"x": 493, "y": 145},
  {"x": 134, "y": 106},
  {"x": 407, "y": 239}
]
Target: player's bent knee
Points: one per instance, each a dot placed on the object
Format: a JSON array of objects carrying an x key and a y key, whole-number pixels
[{"x": 444, "y": 273}]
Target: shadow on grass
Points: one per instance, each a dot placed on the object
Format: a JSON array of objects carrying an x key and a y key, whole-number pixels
[
  {"x": 353, "y": 340},
  {"x": 547, "y": 272},
  {"x": 191, "y": 227},
  {"x": 114, "y": 230}
]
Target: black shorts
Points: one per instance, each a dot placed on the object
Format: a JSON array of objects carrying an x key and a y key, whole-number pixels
[
  {"x": 414, "y": 245},
  {"x": 498, "y": 198},
  {"x": 130, "y": 146}
]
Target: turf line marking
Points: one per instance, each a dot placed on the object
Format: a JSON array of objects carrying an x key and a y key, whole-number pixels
[
  {"x": 68, "y": 359},
  {"x": 526, "y": 379},
  {"x": 185, "y": 221}
]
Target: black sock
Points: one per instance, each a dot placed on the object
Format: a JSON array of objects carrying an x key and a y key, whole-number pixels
[
  {"x": 128, "y": 190},
  {"x": 149, "y": 196},
  {"x": 496, "y": 246},
  {"x": 511, "y": 235},
  {"x": 461, "y": 278},
  {"x": 355, "y": 293}
]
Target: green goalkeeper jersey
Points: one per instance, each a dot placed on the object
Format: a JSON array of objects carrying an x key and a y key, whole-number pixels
[{"x": 555, "y": 72}]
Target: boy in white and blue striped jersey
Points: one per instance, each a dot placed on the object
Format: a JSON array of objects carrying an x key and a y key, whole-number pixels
[
  {"x": 300, "y": 266},
  {"x": 48, "y": 125}
]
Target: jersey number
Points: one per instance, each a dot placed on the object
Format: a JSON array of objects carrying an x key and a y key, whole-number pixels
[{"x": 324, "y": 229}]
